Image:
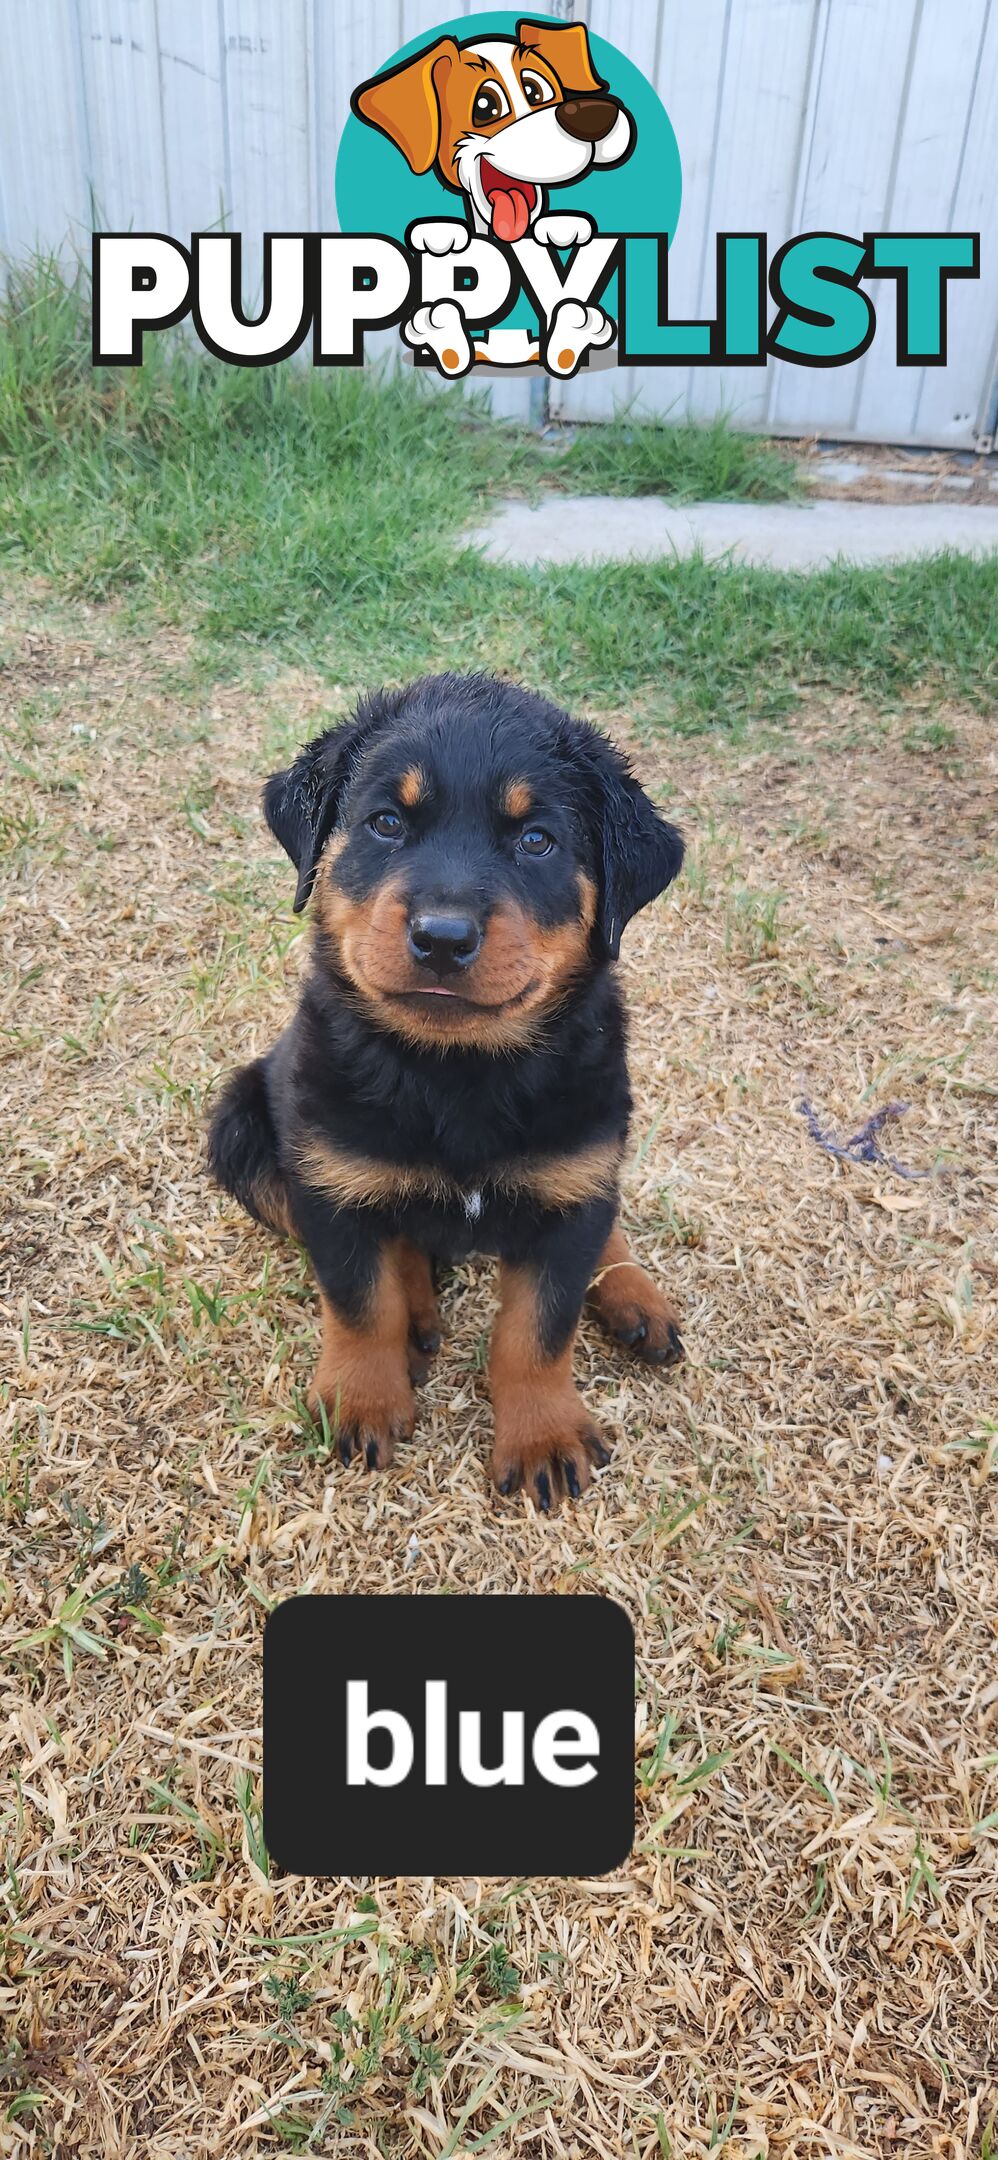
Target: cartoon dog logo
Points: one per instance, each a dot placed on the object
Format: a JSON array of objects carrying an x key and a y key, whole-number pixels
[{"x": 501, "y": 121}]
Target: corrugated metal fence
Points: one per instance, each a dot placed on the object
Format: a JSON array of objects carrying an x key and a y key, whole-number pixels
[{"x": 169, "y": 115}]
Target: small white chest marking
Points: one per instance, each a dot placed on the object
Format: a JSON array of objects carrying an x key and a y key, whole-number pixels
[{"x": 472, "y": 1205}]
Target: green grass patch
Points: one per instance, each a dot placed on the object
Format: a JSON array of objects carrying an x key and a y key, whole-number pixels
[
  {"x": 254, "y": 501},
  {"x": 928, "y": 736},
  {"x": 315, "y": 517},
  {"x": 691, "y": 461}
]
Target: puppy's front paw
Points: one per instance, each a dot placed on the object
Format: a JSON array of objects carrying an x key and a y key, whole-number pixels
[
  {"x": 635, "y": 1312},
  {"x": 546, "y": 1444},
  {"x": 364, "y": 1421}
]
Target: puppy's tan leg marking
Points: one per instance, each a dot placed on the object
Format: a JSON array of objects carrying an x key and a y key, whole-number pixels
[
  {"x": 545, "y": 1439},
  {"x": 631, "y": 1307},
  {"x": 362, "y": 1376},
  {"x": 424, "y": 1312}
]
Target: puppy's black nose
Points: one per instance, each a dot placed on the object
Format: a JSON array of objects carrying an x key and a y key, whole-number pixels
[
  {"x": 587, "y": 118},
  {"x": 443, "y": 942}
]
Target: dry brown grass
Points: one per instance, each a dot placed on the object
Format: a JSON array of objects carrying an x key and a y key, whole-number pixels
[
  {"x": 894, "y": 474},
  {"x": 799, "y": 1958}
]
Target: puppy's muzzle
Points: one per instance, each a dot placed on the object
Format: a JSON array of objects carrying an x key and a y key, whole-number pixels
[
  {"x": 587, "y": 119},
  {"x": 442, "y": 943}
]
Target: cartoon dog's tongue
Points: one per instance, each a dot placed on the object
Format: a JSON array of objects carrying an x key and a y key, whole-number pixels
[
  {"x": 510, "y": 216},
  {"x": 510, "y": 201}
]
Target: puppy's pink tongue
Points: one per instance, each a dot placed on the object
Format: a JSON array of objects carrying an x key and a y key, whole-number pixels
[{"x": 510, "y": 215}]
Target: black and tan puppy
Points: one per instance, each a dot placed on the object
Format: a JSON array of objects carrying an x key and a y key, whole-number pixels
[{"x": 455, "y": 1079}]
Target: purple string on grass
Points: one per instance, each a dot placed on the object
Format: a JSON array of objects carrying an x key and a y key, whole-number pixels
[{"x": 861, "y": 1146}]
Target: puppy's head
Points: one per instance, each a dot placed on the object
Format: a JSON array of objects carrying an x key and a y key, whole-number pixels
[
  {"x": 501, "y": 118},
  {"x": 474, "y": 852}
]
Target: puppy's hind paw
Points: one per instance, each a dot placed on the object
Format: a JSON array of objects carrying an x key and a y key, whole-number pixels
[
  {"x": 424, "y": 1342},
  {"x": 635, "y": 1312}
]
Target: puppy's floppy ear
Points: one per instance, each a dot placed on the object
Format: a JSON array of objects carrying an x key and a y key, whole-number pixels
[
  {"x": 300, "y": 804},
  {"x": 405, "y": 104},
  {"x": 637, "y": 853},
  {"x": 565, "y": 47}
]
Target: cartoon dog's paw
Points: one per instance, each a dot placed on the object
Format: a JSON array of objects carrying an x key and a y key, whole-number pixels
[
  {"x": 564, "y": 229},
  {"x": 575, "y": 329},
  {"x": 439, "y": 236},
  {"x": 440, "y": 325}
]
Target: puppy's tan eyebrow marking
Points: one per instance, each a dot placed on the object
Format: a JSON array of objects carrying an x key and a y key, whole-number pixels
[
  {"x": 518, "y": 798},
  {"x": 412, "y": 787}
]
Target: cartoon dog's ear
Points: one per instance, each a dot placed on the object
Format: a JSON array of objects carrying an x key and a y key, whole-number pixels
[
  {"x": 637, "y": 852},
  {"x": 565, "y": 47},
  {"x": 300, "y": 805},
  {"x": 405, "y": 104}
]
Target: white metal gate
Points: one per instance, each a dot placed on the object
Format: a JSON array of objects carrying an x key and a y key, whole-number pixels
[
  {"x": 791, "y": 115},
  {"x": 857, "y": 114}
]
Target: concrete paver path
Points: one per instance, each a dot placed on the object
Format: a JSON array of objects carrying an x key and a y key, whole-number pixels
[{"x": 784, "y": 536}]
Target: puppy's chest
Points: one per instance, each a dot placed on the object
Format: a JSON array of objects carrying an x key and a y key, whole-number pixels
[
  {"x": 465, "y": 1138},
  {"x": 452, "y": 1224},
  {"x": 505, "y": 1211},
  {"x": 464, "y": 1177}
]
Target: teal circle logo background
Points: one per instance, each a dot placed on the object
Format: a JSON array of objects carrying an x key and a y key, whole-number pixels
[{"x": 377, "y": 193}]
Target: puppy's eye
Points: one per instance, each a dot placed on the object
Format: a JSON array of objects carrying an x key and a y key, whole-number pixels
[
  {"x": 489, "y": 105},
  {"x": 535, "y": 841},
  {"x": 387, "y": 824},
  {"x": 536, "y": 90}
]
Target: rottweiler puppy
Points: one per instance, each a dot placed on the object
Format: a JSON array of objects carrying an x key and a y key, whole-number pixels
[{"x": 455, "y": 1079}]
